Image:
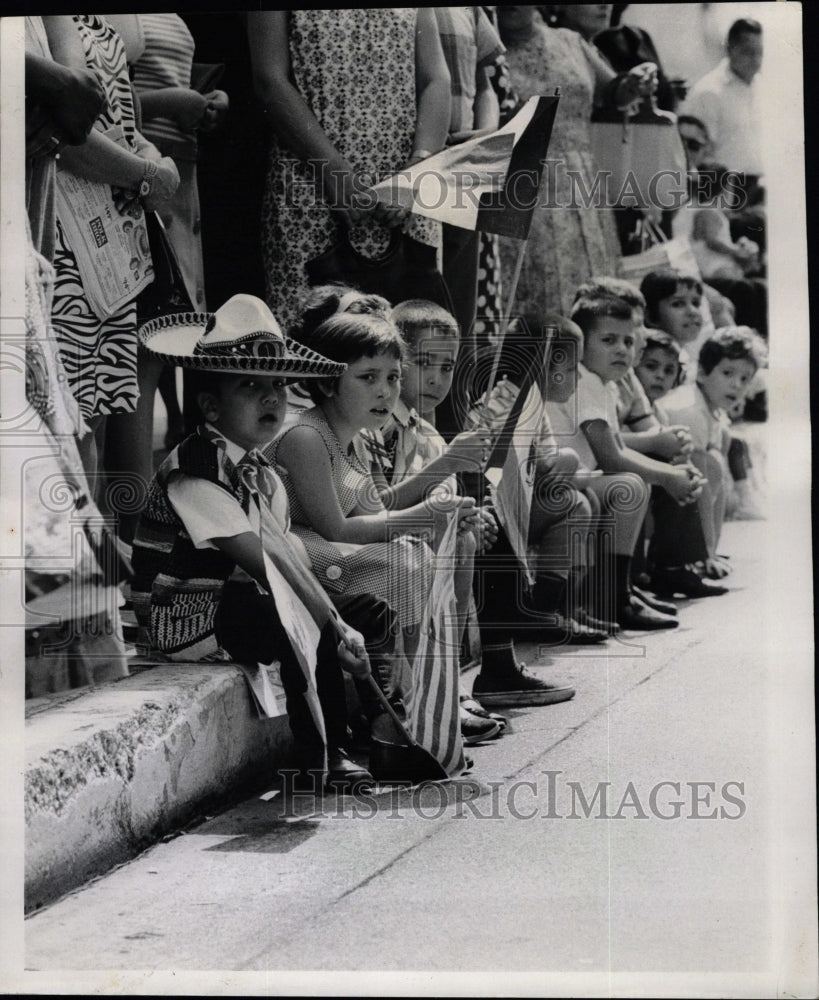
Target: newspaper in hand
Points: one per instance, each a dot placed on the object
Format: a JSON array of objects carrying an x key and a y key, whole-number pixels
[{"x": 111, "y": 248}]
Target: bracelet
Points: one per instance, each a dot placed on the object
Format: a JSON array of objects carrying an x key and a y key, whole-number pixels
[
  {"x": 146, "y": 184},
  {"x": 421, "y": 154}
]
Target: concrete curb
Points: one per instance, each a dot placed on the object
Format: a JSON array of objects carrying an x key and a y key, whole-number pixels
[{"x": 113, "y": 770}]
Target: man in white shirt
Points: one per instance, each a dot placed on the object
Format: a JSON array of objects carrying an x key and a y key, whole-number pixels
[{"x": 726, "y": 100}]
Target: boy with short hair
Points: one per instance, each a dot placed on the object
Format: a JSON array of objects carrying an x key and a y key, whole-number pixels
[
  {"x": 215, "y": 507},
  {"x": 727, "y": 364},
  {"x": 589, "y": 423},
  {"x": 422, "y": 461}
]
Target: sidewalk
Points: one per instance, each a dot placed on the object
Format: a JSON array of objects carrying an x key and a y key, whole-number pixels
[{"x": 111, "y": 770}]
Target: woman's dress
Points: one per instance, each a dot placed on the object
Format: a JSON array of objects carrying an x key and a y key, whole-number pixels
[
  {"x": 99, "y": 356},
  {"x": 569, "y": 241},
  {"x": 355, "y": 68}
]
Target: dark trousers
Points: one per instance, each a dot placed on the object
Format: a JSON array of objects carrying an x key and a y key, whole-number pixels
[
  {"x": 678, "y": 537},
  {"x": 505, "y": 606},
  {"x": 739, "y": 459},
  {"x": 461, "y": 250},
  {"x": 248, "y": 626}
]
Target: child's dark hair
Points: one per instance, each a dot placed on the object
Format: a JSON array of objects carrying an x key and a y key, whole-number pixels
[
  {"x": 734, "y": 343},
  {"x": 616, "y": 288},
  {"x": 348, "y": 336},
  {"x": 587, "y": 310},
  {"x": 661, "y": 284},
  {"x": 207, "y": 381},
  {"x": 567, "y": 333},
  {"x": 656, "y": 340},
  {"x": 414, "y": 315},
  {"x": 323, "y": 301}
]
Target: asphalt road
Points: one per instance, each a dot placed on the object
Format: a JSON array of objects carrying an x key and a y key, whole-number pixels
[{"x": 671, "y": 872}]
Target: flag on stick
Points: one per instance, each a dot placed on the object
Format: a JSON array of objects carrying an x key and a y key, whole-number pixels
[
  {"x": 433, "y": 700},
  {"x": 488, "y": 183},
  {"x": 512, "y": 465}
]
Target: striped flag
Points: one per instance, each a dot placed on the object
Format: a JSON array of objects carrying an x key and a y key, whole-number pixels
[
  {"x": 516, "y": 406},
  {"x": 489, "y": 183},
  {"x": 433, "y": 702}
]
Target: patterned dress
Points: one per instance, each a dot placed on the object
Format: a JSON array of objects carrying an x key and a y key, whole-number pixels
[
  {"x": 166, "y": 62},
  {"x": 355, "y": 69},
  {"x": 400, "y": 571},
  {"x": 490, "y": 284},
  {"x": 569, "y": 241},
  {"x": 99, "y": 355}
]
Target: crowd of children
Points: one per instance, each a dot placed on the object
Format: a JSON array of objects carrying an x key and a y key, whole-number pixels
[
  {"x": 344, "y": 505},
  {"x": 364, "y": 507}
]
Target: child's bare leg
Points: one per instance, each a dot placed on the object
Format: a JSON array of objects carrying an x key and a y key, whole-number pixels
[
  {"x": 464, "y": 569},
  {"x": 711, "y": 504}
]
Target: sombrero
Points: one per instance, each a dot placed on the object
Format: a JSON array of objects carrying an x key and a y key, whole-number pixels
[{"x": 242, "y": 335}]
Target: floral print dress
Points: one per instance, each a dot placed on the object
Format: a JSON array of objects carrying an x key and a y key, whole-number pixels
[
  {"x": 355, "y": 68},
  {"x": 569, "y": 241}
]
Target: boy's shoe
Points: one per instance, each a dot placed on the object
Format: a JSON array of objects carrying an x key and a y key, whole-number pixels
[
  {"x": 472, "y": 706},
  {"x": 582, "y": 617},
  {"x": 641, "y": 618},
  {"x": 646, "y": 600},
  {"x": 514, "y": 685},
  {"x": 559, "y": 631},
  {"x": 475, "y": 729},
  {"x": 344, "y": 775},
  {"x": 668, "y": 582}
]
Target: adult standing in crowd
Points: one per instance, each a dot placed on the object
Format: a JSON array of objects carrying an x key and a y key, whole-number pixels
[
  {"x": 100, "y": 355},
  {"x": 727, "y": 101},
  {"x": 352, "y": 95},
  {"x": 470, "y": 45},
  {"x": 569, "y": 241},
  {"x": 173, "y": 112}
]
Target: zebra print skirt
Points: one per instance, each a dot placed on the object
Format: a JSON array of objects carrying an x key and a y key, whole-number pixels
[{"x": 99, "y": 356}]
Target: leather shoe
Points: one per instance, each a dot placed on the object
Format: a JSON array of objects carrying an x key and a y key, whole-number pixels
[
  {"x": 344, "y": 774},
  {"x": 582, "y": 617},
  {"x": 646, "y": 600},
  {"x": 557, "y": 630},
  {"x": 641, "y": 618},
  {"x": 668, "y": 582},
  {"x": 475, "y": 730}
]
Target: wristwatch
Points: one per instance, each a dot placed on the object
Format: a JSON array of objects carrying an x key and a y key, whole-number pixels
[{"x": 147, "y": 181}]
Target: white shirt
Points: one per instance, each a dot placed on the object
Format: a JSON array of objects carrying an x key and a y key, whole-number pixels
[
  {"x": 730, "y": 109},
  {"x": 209, "y": 511},
  {"x": 688, "y": 406},
  {"x": 593, "y": 399}
]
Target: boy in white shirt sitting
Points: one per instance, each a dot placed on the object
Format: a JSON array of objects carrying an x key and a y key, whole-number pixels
[
  {"x": 215, "y": 507},
  {"x": 727, "y": 364},
  {"x": 588, "y": 422}
]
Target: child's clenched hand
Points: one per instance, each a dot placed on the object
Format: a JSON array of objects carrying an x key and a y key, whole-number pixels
[
  {"x": 486, "y": 533},
  {"x": 674, "y": 441},
  {"x": 470, "y": 448},
  {"x": 352, "y": 654}
]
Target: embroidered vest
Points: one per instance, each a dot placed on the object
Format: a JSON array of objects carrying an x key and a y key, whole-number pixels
[{"x": 176, "y": 587}]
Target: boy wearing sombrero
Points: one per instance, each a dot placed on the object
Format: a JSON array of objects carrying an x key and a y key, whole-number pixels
[{"x": 215, "y": 506}]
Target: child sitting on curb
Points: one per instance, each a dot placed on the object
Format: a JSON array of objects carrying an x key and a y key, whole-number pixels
[
  {"x": 727, "y": 364},
  {"x": 590, "y": 424},
  {"x": 677, "y": 545},
  {"x": 421, "y": 460},
  {"x": 215, "y": 507}
]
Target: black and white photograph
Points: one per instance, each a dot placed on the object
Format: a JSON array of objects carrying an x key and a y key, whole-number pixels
[{"x": 405, "y": 478}]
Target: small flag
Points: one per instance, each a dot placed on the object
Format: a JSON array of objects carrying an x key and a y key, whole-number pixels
[
  {"x": 489, "y": 183},
  {"x": 512, "y": 465},
  {"x": 433, "y": 701}
]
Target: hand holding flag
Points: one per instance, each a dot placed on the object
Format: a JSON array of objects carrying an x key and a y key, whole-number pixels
[{"x": 489, "y": 182}]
